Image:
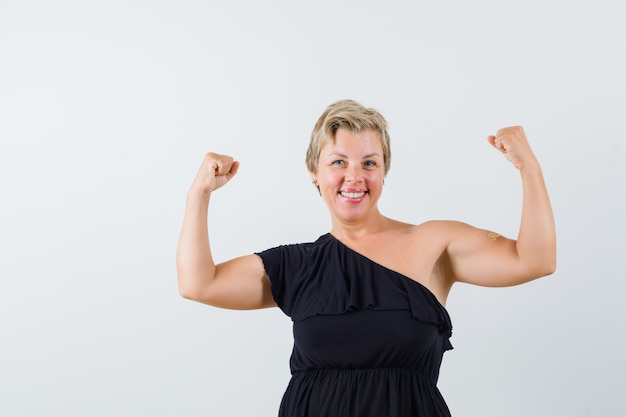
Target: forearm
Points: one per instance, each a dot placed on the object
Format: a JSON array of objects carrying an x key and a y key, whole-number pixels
[
  {"x": 194, "y": 262},
  {"x": 536, "y": 242}
]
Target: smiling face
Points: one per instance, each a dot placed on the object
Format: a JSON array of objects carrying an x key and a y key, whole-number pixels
[{"x": 350, "y": 175}]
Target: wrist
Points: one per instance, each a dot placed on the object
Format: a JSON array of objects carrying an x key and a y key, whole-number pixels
[
  {"x": 198, "y": 196},
  {"x": 531, "y": 166}
]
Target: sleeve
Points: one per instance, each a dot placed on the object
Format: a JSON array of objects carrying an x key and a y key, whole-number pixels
[
  {"x": 275, "y": 262},
  {"x": 294, "y": 272}
]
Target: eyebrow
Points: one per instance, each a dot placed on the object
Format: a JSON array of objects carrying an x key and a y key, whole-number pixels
[{"x": 369, "y": 155}]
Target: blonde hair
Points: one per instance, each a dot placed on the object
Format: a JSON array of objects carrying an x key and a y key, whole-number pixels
[{"x": 350, "y": 115}]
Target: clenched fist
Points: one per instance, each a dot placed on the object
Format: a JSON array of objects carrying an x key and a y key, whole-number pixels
[
  {"x": 215, "y": 171},
  {"x": 512, "y": 142}
]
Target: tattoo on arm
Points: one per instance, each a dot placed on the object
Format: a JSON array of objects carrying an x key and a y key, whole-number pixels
[{"x": 493, "y": 235}]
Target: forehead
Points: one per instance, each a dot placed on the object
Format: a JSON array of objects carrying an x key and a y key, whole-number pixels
[{"x": 346, "y": 140}]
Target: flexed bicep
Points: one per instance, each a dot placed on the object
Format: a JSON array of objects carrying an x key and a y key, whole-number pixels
[
  {"x": 483, "y": 257},
  {"x": 238, "y": 284}
]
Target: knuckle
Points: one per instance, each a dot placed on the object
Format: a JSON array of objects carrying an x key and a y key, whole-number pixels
[{"x": 210, "y": 157}]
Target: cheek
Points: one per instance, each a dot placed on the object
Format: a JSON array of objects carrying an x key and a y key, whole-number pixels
[
  {"x": 375, "y": 178},
  {"x": 331, "y": 178}
]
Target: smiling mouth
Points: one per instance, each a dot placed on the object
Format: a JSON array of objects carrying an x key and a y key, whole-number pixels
[{"x": 352, "y": 195}]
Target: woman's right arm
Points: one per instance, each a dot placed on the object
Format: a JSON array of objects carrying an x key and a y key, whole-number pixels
[{"x": 240, "y": 283}]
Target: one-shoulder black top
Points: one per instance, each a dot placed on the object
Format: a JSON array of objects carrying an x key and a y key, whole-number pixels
[{"x": 368, "y": 341}]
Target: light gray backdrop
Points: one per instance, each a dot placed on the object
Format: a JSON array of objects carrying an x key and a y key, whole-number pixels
[{"x": 107, "y": 108}]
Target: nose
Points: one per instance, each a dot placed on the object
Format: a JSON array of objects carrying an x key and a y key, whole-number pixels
[{"x": 354, "y": 174}]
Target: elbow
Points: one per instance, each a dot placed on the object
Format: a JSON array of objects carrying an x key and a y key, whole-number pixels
[
  {"x": 547, "y": 267},
  {"x": 543, "y": 262},
  {"x": 192, "y": 284},
  {"x": 185, "y": 293},
  {"x": 185, "y": 289},
  {"x": 550, "y": 262},
  {"x": 195, "y": 291},
  {"x": 192, "y": 294},
  {"x": 539, "y": 267},
  {"x": 547, "y": 270},
  {"x": 552, "y": 267}
]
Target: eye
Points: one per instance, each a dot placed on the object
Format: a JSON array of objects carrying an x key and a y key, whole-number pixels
[
  {"x": 369, "y": 164},
  {"x": 337, "y": 162}
]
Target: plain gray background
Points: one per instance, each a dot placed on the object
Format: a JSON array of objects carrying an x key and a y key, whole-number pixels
[{"x": 107, "y": 108}]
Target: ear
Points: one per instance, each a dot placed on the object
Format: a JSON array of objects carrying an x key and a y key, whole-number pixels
[{"x": 314, "y": 181}]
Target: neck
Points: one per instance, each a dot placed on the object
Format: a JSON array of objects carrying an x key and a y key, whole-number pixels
[{"x": 355, "y": 230}]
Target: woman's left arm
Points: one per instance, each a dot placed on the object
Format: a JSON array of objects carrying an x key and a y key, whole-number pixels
[{"x": 485, "y": 258}]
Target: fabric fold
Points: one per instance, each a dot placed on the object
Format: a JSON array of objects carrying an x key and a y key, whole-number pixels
[
  {"x": 362, "y": 284},
  {"x": 368, "y": 341}
]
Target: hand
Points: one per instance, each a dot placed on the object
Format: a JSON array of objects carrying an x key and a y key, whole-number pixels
[
  {"x": 215, "y": 171},
  {"x": 512, "y": 142}
]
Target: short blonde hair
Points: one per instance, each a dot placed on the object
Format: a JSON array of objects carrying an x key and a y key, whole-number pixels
[{"x": 350, "y": 115}]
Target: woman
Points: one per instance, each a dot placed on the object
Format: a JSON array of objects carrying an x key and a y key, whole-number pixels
[{"x": 367, "y": 299}]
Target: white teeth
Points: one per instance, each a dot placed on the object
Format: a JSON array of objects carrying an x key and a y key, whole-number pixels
[{"x": 352, "y": 195}]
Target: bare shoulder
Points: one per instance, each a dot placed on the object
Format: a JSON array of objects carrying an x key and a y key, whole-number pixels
[
  {"x": 425, "y": 255},
  {"x": 411, "y": 235},
  {"x": 450, "y": 231},
  {"x": 444, "y": 226},
  {"x": 429, "y": 236},
  {"x": 442, "y": 231},
  {"x": 425, "y": 227}
]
